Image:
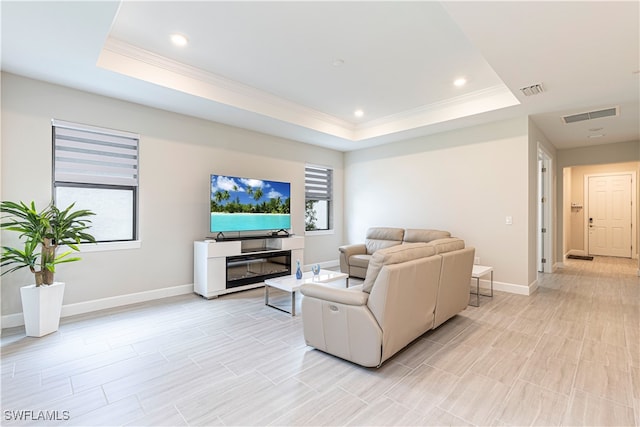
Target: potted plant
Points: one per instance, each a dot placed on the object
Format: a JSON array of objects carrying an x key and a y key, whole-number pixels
[{"x": 42, "y": 233}]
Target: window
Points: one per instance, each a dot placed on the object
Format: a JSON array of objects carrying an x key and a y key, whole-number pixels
[
  {"x": 97, "y": 169},
  {"x": 318, "y": 192}
]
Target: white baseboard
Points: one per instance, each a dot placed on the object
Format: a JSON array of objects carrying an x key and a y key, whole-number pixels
[
  {"x": 12, "y": 320},
  {"x": 577, "y": 252},
  {"x": 511, "y": 288},
  {"x": 325, "y": 264},
  {"x": 498, "y": 286}
]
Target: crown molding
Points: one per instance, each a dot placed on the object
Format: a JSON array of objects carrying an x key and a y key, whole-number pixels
[
  {"x": 124, "y": 58},
  {"x": 481, "y": 101},
  {"x": 142, "y": 64}
]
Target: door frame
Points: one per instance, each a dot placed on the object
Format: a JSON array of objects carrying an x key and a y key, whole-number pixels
[
  {"x": 544, "y": 212},
  {"x": 585, "y": 211}
]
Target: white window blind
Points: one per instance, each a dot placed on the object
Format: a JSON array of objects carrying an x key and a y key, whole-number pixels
[
  {"x": 317, "y": 183},
  {"x": 92, "y": 155},
  {"x": 97, "y": 169}
]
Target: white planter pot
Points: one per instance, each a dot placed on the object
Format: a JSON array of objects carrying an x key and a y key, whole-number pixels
[{"x": 41, "y": 307}]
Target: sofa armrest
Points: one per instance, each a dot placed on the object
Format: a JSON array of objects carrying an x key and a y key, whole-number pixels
[
  {"x": 340, "y": 296},
  {"x": 338, "y": 321},
  {"x": 346, "y": 252},
  {"x": 355, "y": 249}
]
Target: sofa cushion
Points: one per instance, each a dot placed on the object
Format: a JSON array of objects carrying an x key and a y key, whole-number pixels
[
  {"x": 382, "y": 237},
  {"x": 412, "y": 235},
  {"x": 394, "y": 255},
  {"x": 360, "y": 260},
  {"x": 446, "y": 245}
]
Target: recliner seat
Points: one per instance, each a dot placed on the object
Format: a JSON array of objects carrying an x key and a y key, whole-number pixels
[{"x": 408, "y": 290}]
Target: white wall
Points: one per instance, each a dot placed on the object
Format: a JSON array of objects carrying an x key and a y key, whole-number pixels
[
  {"x": 177, "y": 154},
  {"x": 465, "y": 181}
]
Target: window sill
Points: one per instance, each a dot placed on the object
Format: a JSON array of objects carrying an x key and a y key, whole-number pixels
[
  {"x": 319, "y": 232},
  {"x": 109, "y": 246}
]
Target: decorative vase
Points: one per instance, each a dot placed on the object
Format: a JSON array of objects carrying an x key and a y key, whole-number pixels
[
  {"x": 298, "y": 271},
  {"x": 315, "y": 269},
  {"x": 41, "y": 308}
]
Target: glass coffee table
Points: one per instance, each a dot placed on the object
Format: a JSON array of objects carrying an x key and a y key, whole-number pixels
[{"x": 292, "y": 285}]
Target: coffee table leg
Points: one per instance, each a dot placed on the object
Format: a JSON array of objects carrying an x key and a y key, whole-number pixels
[
  {"x": 293, "y": 303},
  {"x": 266, "y": 294}
]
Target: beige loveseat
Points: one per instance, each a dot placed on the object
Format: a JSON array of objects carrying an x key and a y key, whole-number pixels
[
  {"x": 408, "y": 290},
  {"x": 354, "y": 259}
]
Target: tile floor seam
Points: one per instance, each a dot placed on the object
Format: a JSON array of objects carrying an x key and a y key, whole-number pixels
[
  {"x": 605, "y": 398},
  {"x": 575, "y": 374},
  {"x": 457, "y": 416}
]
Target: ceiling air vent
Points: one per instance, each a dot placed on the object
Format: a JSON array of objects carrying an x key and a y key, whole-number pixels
[
  {"x": 532, "y": 90},
  {"x": 607, "y": 112}
]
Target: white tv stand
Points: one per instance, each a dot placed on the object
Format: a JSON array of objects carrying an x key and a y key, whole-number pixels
[{"x": 221, "y": 267}]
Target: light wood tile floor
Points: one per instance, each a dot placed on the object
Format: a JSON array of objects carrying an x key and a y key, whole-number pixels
[{"x": 567, "y": 355}]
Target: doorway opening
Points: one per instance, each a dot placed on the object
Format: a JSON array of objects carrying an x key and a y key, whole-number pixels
[{"x": 599, "y": 210}]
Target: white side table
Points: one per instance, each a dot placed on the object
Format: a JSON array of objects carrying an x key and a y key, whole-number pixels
[{"x": 477, "y": 272}]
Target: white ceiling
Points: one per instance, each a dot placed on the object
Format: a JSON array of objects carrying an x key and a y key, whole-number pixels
[{"x": 270, "y": 66}]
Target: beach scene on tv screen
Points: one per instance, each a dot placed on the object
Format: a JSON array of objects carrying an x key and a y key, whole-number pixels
[{"x": 245, "y": 204}]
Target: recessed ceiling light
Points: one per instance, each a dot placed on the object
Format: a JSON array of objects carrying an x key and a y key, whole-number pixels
[
  {"x": 460, "y": 82},
  {"x": 595, "y": 129},
  {"x": 179, "y": 39},
  {"x": 338, "y": 62},
  {"x": 597, "y": 135},
  {"x": 358, "y": 113}
]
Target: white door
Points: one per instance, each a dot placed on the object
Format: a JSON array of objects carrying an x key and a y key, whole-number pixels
[{"x": 609, "y": 215}]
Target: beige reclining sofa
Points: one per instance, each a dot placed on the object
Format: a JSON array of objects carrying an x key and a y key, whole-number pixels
[
  {"x": 408, "y": 290},
  {"x": 354, "y": 259}
]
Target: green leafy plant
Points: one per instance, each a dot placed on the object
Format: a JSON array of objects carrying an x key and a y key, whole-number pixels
[
  {"x": 310, "y": 215},
  {"x": 47, "y": 230}
]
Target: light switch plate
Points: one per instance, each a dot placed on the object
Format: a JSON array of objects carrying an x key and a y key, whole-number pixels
[{"x": 509, "y": 220}]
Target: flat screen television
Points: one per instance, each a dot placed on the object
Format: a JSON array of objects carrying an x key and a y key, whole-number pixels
[{"x": 248, "y": 204}]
